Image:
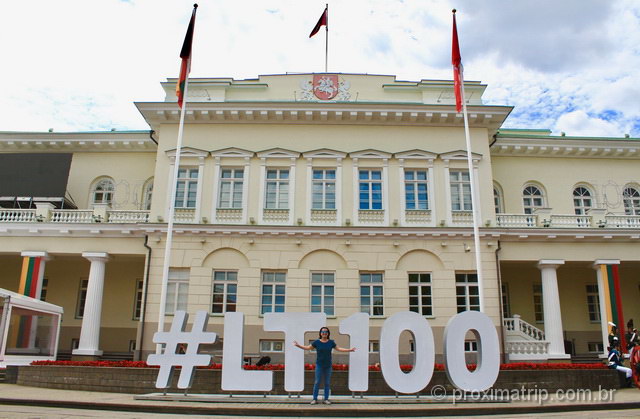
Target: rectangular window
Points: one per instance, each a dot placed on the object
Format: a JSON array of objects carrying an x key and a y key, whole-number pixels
[
  {"x": 82, "y": 298},
  {"x": 137, "y": 307},
  {"x": 324, "y": 189},
  {"x": 374, "y": 346},
  {"x": 187, "y": 188},
  {"x": 420, "y": 293},
  {"x": 415, "y": 189},
  {"x": 370, "y": 182},
  {"x": 506, "y": 303},
  {"x": 277, "y": 189},
  {"x": 177, "y": 290},
  {"x": 322, "y": 293},
  {"x": 271, "y": 346},
  {"x": 470, "y": 346},
  {"x": 231, "y": 181},
  {"x": 538, "y": 309},
  {"x": 45, "y": 286},
  {"x": 593, "y": 303},
  {"x": 273, "y": 292},
  {"x": 460, "y": 191},
  {"x": 225, "y": 288},
  {"x": 595, "y": 347},
  {"x": 371, "y": 294},
  {"x": 467, "y": 297}
]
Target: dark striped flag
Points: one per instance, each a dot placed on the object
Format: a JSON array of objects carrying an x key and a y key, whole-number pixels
[
  {"x": 324, "y": 20},
  {"x": 456, "y": 61},
  {"x": 185, "y": 54}
]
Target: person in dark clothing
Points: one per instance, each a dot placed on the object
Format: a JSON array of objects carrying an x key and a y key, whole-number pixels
[
  {"x": 323, "y": 346},
  {"x": 615, "y": 360},
  {"x": 631, "y": 336},
  {"x": 613, "y": 334}
]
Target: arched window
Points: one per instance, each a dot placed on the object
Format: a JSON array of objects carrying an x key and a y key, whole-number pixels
[
  {"x": 147, "y": 193},
  {"x": 497, "y": 199},
  {"x": 102, "y": 191},
  {"x": 582, "y": 200},
  {"x": 631, "y": 199},
  {"x": 532, "y": 199}
]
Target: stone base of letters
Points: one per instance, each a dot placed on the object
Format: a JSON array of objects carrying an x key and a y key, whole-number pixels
[{"x": 142, "y": 380}]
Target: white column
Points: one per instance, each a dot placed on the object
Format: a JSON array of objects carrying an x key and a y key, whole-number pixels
[
  {"x": 308, "y": 200},
  {"x": 551, "y": 305},
  {"x": 604, "y": 327},
  {"x": 90, "y": 332},
  {"x": 215, "y": 192}
]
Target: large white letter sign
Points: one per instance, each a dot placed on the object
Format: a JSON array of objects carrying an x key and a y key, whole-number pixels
[
  {"x": 488, "y": 367},
  {"x": 294, "y": 326},
  {"x": 357, "y": 327},
  {"x": 422, "y": 370},
  {"x": 234, "y": 377}
]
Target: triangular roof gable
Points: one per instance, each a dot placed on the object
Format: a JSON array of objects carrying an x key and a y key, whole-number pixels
[
  {"x": 324, "y": 153},
  {"x": 188, "y": 152},
  {"x": 459, "y": 155},
  {"x": 275, "y": 153},
  {"x": 370, "y": 154},
  {"x": 416, "y": 154},
  {"x": 232, "y": 152}
]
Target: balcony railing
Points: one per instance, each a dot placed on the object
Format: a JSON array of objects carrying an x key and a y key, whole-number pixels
[
  {"x": 571, "y": 221},
  {"x": 17, "y": 215},
  {"x": 622, "y": 221},
  {"x": 115, "y": 216},
  {"x": 516, "y": 220},
  {"x": 72, "y": 216},
  {"x": 518, "y": 328},
  {"x": 462, "y": 218}
]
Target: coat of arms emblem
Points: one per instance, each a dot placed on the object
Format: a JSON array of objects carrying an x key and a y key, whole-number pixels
[{"x": 325, "y": 87}]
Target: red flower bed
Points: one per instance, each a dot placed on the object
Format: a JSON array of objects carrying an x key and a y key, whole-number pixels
[{"x": 336, "y": 367}]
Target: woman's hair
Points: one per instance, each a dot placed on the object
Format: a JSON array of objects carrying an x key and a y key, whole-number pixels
[{"x": 324, "y": 328}]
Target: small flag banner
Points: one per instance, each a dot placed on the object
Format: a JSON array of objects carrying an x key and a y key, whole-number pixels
[
  {"x": 612, "y": 299},
  {"x": 31, "y": 287}
]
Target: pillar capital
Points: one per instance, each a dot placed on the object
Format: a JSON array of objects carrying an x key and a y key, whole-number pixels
[
  {"x": 599, "y": 262},
  {"x": 96, "y": 256},
  {"x": 35, "y": 254},
  {"x": 550, "y": 263}
]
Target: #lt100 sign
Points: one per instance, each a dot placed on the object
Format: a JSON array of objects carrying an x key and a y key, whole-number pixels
[{"x": 295, "y": 325}]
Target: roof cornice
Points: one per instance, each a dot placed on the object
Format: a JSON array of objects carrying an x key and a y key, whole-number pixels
[
  {"x": 575, "y": 147},
  {"x": 65, "y": 142}
]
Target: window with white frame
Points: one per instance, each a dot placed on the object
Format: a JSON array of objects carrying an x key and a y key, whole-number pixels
[
  {"x": 467, "y": 297},
  {"x": 416, "y": 189},
  {"x": 582, "y": 200},
  {"x": 532, "y": 199},
  {"x": 277, "y": 189},
  {"x": 497, "y": 200},
  {"x": 177, "y": 291},
  {"x": 82, "y": 298},
  {"x": 470, "y": 346},
  {"x": 593, "y": 303},
  {"x": 420, "y": 298},
  {"x": 225, "y": 289},
  {"x": 506, "y": 301},
  {"x": 371, "y": 293},
  {"x": 323, "y": 195},
  {"x": 273, "y": 292},
  {"x": 187, "y": 187},
  {"x": 460, "y": 184},
  {"x": 631, "y": 200},
  {"x": 147, "y": 194},
  {"x": 231, "y": 182},
  {"x": 271, "y": 346},
  {"x": 102, "y": 192},
  {"x": 137, "y": 304},
  {"x": 374, "y": 346},
  {"x": 370, "y": 189},
  {"x": 538, "y": 308},
  {"x": 323, "y": 293}
]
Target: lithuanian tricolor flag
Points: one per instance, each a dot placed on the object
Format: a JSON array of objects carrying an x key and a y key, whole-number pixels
[
  {"x": 612, "y": 299},
  {"x": 185, "y": 54},
  {"x": 30, "y": 285}
]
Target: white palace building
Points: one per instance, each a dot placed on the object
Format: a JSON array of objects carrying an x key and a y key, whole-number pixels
[{"x": 356, "y": 202}]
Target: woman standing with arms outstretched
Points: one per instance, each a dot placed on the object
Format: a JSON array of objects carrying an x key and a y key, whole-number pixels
[{"x": 323, "y": 346}]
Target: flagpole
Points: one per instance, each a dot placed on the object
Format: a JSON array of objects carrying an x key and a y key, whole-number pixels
[
  {"x": 475, "y": 199},
  {"x": 172, "y": 210},
  {"x": 326, "y": 41}
]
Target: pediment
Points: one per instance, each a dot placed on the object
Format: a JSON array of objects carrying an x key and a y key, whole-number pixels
[
  {"x": 187, "y": 152},
  {"x": 324, "y": 153},
  {"x": 232, "y": 152},
  {"x": 278, "y": 153},
  {"x": 370, "y": 154},
  {"x": 459, "y": 155},
  {"x": 416, "y": 155}
]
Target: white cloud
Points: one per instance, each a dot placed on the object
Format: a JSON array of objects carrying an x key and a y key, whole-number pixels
[{"x": 578, "y": 123}]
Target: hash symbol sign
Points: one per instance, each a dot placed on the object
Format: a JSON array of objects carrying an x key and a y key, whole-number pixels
[{"x": 170, "y": 358}]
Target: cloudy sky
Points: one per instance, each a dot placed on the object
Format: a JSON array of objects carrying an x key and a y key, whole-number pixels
[{"x": 566, "y": 65}]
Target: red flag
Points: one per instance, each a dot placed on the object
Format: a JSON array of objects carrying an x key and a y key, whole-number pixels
[
  {"x": 185, "y": 54},
  {"x": 324, "y": 20},
  {"x": 456, "y": 61}
]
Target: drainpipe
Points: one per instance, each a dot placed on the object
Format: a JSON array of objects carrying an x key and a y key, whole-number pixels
[
  {"x": 154, "y": 140},
  {"x": 143, "y": 309},
  {"x": 502, "y": 349},
  {"x": 495, "y": 138}
]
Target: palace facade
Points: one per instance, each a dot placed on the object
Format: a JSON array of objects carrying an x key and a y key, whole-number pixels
[{"x": 356, "y": 202}]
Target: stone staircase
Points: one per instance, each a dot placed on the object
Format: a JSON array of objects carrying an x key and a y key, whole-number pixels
[
  {"x": 524, "y": 341},
  {"x": 592, "y": 358}
]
